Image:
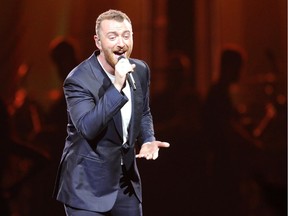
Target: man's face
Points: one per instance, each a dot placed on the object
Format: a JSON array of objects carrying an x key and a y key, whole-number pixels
[{"x": 114, "y": 39}]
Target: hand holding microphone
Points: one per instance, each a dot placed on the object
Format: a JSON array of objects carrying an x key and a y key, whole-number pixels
[{"x": 123, "y": 70}]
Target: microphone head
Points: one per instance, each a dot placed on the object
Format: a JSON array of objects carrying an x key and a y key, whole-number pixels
[{"x": 121, "y": 57}]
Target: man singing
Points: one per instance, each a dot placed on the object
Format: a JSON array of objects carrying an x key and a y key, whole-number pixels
[{"x": 107, "y": 98}]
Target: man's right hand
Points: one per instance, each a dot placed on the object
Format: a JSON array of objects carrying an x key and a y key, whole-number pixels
[{"x": 122, "y": 67}]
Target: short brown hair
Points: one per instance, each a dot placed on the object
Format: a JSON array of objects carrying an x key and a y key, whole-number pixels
[{"x": 111, "y": 15}]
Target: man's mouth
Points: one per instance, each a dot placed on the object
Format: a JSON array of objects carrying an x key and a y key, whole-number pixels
[{"x": 118, "y": 54}]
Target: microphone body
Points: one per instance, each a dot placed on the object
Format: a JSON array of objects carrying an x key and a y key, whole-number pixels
[
  {"x": 131, "y": 80},
  {"x": 129, "y": 76}
]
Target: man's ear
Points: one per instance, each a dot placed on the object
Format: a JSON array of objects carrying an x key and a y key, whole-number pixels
[{"x": 97, "y": 41}]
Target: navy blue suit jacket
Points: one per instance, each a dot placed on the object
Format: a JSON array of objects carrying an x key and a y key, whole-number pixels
[{"x": 89, "y": 171}]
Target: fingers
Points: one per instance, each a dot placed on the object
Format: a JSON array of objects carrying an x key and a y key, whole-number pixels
[
  {"x": 124, "y": 66},
  {"x": 141, "y": 155},
  {"x": 150, "y": 150},
  {"x": 152, "y": 156},
  {"x": 164, "y": 144},
  {"x": 155, "y": 155},
  {"x": 133, "y": 66}
]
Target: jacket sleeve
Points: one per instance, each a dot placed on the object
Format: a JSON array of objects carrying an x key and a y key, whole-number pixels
[
  {"x": 146, "y": 128},
  {"x": 89, "y": 112}
]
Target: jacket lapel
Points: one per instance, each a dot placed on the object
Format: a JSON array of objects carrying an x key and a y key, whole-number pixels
[{"x": 137, "y": 100}]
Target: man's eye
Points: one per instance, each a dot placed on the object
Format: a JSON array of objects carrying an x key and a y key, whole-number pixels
[
  {"x": 126, "y": 37},
  {"x": 112, "y": 37}
]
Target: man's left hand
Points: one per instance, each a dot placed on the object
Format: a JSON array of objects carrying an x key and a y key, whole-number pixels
[{"x": 150, "y": 150}]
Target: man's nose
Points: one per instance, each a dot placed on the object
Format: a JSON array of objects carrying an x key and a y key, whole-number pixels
[{"x": 120, "y": 42}]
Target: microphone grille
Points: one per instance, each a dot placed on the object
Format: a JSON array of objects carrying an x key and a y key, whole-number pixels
[{"x": 121, "y": 57}]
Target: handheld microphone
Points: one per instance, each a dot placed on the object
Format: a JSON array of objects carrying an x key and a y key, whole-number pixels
[{"x": 129, "y": 76}]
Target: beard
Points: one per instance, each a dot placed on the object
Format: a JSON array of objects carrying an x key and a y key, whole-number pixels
[{"x": 112, "y": 56}]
